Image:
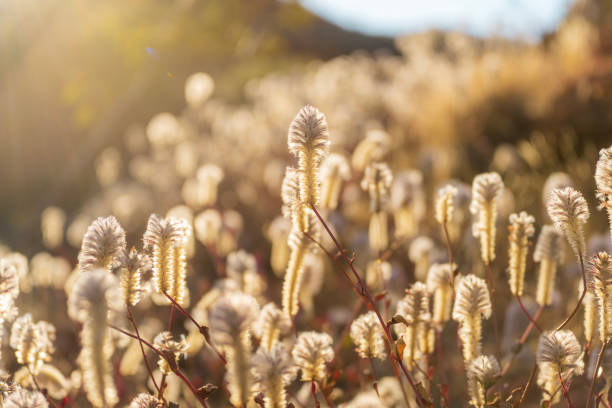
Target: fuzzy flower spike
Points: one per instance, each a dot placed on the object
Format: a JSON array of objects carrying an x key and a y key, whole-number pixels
[
  {"x": 603, "y": 180},
  {"x": 308, "y": 140},
  {"x": 569, "y": 212},
  {"x": 486, "y": 190}
]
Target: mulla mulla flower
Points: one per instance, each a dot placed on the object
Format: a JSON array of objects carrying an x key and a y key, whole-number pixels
[
  {"x": 549, "y": 253},
  {"x": 273, "y": 370},
  {"x": 559, "y": 356},
  {"x": 377, "y": 182},
  {"x": 32, "y": 341},
  {"x": 483, "y": 372},
  {"x": 603, "y": 180},
  {"x": 600, "y": 286},
  {"x": 569, "y": 212},
  {"x": 311, "y": 354},
  {"x": 308, "y": 140},
  {"x": 368, "y": 336},
  {"x": 146, "y": 401},
  {"x": 521, "y": 229},
  {"x": 166, "y": 241},
  {"x": 231, "y": 318},
  {"x": 486, "y": 190},
  {"x": 102, "y": 244},
  {"x": 472, "y": 304},
  {"x": 335, "y": 170},
  {"x": 94, "y": 301}
]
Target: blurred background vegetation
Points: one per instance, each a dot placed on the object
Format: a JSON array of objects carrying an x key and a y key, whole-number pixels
[{"x": 74, "y": 75}]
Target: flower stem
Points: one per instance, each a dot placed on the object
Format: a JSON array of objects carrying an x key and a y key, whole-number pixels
[
  {"x": 599, "y": 357},
  {"x": 362, "y": 290},
  {"x": 584, "y": 290},
  {"x": 144, "y": 355}
]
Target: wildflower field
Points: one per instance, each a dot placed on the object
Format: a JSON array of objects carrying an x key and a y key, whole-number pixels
[{"x": 423, "y": 229}]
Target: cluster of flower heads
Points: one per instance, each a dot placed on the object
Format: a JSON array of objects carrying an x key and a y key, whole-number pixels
[{"x": 235, "y": 319}]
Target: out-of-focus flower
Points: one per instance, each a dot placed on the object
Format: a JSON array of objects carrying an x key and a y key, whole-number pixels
[
  {"x": 198, "y": 88},
  {"x": 52, "y": 222},
  {"x": 311, "y": 354}
]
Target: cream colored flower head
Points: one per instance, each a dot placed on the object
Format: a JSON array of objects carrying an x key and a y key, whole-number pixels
[
  {"x": 472, "y": 298},
  {"x": 311, "y": 353},
  {"x": 569, "y": 212}
]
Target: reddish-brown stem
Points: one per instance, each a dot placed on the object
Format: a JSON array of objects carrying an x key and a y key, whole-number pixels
[
  {"x": 329, "y": 402},
  {"x": 362, "y": 290},
  {"x": 526, "y": 389},
  {"x": 171, "y": 364},
  {"x": 592, "y": 388},
  {"x": 533, "y": 324},
  {"x": 162, "y": 387},
  {"x": 201, "y": 328},
  {"x": 565, "y": 391},
  {"x": 527, "y": 314},
  {"x": 171, "y": 319},
  {"x": 584, "y": 290},
  {"x": 144, "y": 354}
]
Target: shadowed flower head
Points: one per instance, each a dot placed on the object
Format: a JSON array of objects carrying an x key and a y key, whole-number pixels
[
  {"x": 271, "y": 324},
  {"x": 311, "y": 353},
  {"x": 92, "y": 290},
  {"x": 102, "y": 244},
  {"x": 273, "y": 370},
  {"x": 549, "y": 245},
  {"x": 377, "y": 180},
  {"x": 367, "y": 334},
  {"x": 483, "y": 372},
  {"x": 485, "y": 369},
  {"x": 7, "y": 386},
  {"x": 239, "y": 263},
  {"x": 230, "y": 316},
  {"x": 170, "y": 348},
  {"x": 561, "y": 350},
  {"x": 145, "y": 401},
  {"x": 22, "y": 398}
]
